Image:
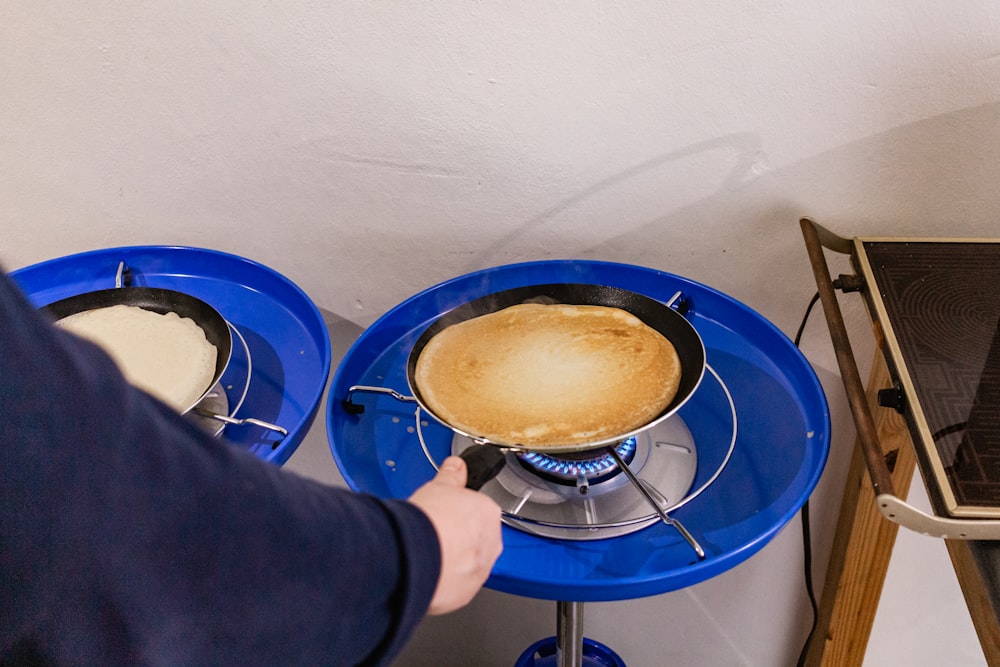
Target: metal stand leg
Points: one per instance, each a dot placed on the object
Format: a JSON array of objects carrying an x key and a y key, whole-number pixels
[
  {"x": 569, "y": 648},
  {"x": 569, "y": 634}
]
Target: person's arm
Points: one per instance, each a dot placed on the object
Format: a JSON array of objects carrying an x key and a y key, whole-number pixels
[
  {"x": 130, "y": 536},
  {"x": 468, "y": 528}
]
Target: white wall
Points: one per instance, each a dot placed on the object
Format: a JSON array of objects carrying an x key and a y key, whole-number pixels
[{"x": 370, "y": 149}]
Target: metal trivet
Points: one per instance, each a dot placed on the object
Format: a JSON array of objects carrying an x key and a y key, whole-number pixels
[
  {"x": 212, "y": 413},
  {"x": 665, "y": 457}
]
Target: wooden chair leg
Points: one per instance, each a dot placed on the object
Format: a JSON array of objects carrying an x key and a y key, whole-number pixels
[{"x": 862, "y": 544}]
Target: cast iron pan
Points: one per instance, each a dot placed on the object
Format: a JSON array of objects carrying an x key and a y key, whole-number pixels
[
  {"x": 159, "y": 301},
  {"x": 486, "y": 460}
]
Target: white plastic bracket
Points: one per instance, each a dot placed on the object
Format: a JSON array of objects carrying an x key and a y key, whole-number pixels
[{"x": 908, "y": 516}]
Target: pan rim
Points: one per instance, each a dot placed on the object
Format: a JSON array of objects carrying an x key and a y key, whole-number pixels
[{"x": 690, "y": 378}]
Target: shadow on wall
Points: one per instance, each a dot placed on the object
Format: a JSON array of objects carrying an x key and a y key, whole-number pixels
[
  {"x": 933, "y": 177},
  {"x": 723, "y": 212},
  {"x": 744, "y": 146}
]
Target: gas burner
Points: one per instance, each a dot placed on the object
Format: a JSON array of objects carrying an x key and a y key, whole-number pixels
[
  {"x": 580, "y": 496},
  {"x": 580, "y": 469},
  {"x": 575, "y": 507}
]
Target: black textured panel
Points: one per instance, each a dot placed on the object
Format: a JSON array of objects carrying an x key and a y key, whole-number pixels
[{"x": 943, "y": 303}]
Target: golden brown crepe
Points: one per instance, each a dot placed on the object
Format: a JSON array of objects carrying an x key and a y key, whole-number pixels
[
  {"x": 548, "y": 376},
  {"x": 163, "y": 354}
]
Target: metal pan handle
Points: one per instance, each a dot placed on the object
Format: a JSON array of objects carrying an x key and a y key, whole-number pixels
[
  {"x": 878, "y": 470},
  {"x": 483, "y": 462},
  {"x": 648, "y": 495},
  {"x": 356, "y": 408},
  {"x": 237, "y": 422}
]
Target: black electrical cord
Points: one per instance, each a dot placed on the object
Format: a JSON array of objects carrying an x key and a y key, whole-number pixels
[
  {"x": 805, "y": 318},
  {"x": 806, "y": 532},
  {"x": 807, "y": 558}
]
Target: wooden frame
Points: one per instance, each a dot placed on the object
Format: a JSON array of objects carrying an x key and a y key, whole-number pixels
[{"x": 883, "y": 461}]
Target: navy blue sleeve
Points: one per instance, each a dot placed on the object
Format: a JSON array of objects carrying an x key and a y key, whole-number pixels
[{"x": 128, "y": 536}]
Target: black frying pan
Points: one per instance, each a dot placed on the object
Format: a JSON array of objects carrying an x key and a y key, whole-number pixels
[
  {"x": 484, "y": 462},
  {"x": 159, "y": 301}
]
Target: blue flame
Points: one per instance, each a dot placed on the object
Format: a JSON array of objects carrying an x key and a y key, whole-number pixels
[{"x": 573, "y": 468}]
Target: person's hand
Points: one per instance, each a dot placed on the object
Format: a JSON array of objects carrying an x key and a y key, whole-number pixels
[{"x": 468, "y": 528}]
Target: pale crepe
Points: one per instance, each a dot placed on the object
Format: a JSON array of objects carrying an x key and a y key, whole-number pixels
[
  {"x": 163, "y": 354},
  {"x": 548, "y": 375}
]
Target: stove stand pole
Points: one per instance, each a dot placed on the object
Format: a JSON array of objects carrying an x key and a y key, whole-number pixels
[{"x": 569, "y": 634}]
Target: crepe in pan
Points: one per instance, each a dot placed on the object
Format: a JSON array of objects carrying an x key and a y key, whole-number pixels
[{"x": 548, "y": 376}]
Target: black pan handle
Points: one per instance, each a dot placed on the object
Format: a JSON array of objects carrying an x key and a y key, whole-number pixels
[{"x": 484, "y": 463}]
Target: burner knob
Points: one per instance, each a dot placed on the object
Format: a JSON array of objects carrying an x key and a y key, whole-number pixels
[{"x": 893, "y": 397}]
